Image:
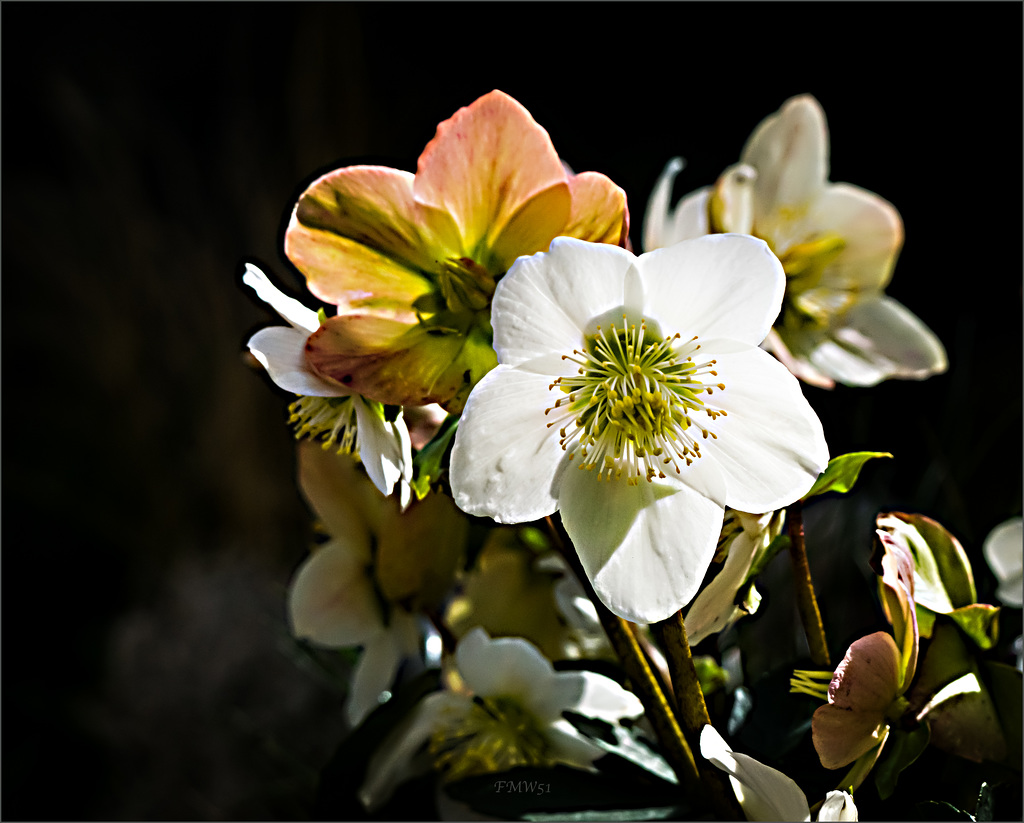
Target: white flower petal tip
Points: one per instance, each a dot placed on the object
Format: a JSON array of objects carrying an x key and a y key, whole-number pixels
[
  {"x": 289, "y": 308},
  {"x": 631, "y": 396},
  {"x": 763, "y": 793},
  {"x": 838, "y": 806},
  {"x": 281, "y": 350},
  {"x": 1004, "y": 552}
]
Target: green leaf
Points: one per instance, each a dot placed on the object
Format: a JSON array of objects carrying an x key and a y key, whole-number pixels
[
  {"x": 1004, "y": 684},
  {"x": 903, "y": 748},
  {"x": 428, "y": 462},
  {"x": 980, "y": 622},
  {"x": 841, "y": 473},
  {"x": 779, "y": 544}
]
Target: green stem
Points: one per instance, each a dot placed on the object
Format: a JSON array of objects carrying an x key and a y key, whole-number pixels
[
  {"x": 692, "y": 710},
  {"x": 642, "y": 678},
  {"x": 807, "y": 603}
]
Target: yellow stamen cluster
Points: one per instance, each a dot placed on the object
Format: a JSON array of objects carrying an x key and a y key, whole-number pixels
[
  {"x": 496, "y": 735},
  {"x": 331, "y": 417},
  {"x": 631, "y": 407},
  {"x": 814, "y": 683}
]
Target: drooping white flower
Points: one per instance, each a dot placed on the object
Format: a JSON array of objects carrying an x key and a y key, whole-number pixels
[
  {"x": 1004, "y": 552},
  {"x": 504, "y": 710},
  {"x": 838, "y": 806},
  {"x": 838, "y": 244},
  {"x": 646, "y": 374},
  {"x": 356, "y": 424}
]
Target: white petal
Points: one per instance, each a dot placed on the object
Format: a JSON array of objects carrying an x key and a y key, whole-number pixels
[
  {"x": 605, "y": 699},
  {"x": 838, "y": 806},
  {"x": 571, "y": 747},
  {"x": 714, "y": 606},
  {"x": 656, "y": 218},
  {"x": 797, "y": 365},
  {"x": 789, "y": 149},
  {"x": 722, "y": 285},
  {"x": 764, "y": 793},
  {"x": 289, "y": 308},
  {"x": 544, "y": 303},
  {"x": 871, "y": 231},
  {"x": 645, "y": 548},
  {"x": 1003, "y": 549},
  {"x": 384, "y": 448},
  {"x": 503, "y": 667},
  {"x": 331, "y": 601},
  {"x": 878, "y": 339},
  {"x": 374, "y": 673},
  {"x": 282, "y": 351},
  {"x": 690, "y": 218},
  {"x": 770, "y": 446},
  {"x": 505, "y": 456},
  {"x": 391, "y": 763},
  {"x": 733, "y": 201}
]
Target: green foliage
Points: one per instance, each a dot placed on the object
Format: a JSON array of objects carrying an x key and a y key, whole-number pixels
[
  {"x": 841, "y": 473},
  {"x": 428, "y": 464},
  {"x": 902, "y": 749}
]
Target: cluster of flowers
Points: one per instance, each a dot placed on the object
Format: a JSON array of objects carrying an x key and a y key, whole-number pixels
[{"x": 493, "y": 348}]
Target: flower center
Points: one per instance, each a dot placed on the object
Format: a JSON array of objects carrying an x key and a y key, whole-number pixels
[
  {"x": 331, "y": 417},
  {"x": 496, "y": 735},
  {"x": 631, "y": 406}
]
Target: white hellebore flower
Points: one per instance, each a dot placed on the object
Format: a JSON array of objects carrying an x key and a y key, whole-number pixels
[
  {"x": 505, "y": 711},
  {"x": 1004, "y": 552},
  {"x": 357, "y": 424},
  {"x": 765, "y": 793},
  {"x": 332, "y": 599},
  {"x": 646, "y": 374},
  {"x": 837, "y": 242}
]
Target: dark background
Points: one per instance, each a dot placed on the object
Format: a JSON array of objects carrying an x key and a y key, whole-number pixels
[{"x": 151, "y": 521}]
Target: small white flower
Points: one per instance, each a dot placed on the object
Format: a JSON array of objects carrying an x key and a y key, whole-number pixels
[
  {"x": 506, "y": 712},
  {"x": 838, "y": 244},
  {"x": 838, "y": 806},
  {"x": 646, "y": 374},
  {"x": 357, "y": 424},
  {"x": 1004, "y": 551}
]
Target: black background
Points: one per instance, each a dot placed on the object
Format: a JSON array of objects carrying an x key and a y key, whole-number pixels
[{"x": 150, "y": 516}]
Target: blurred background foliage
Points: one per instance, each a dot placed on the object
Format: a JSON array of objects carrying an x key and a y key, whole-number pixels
[{"x": 151, "y": 521}]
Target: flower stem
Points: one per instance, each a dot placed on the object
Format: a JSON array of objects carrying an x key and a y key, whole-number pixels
[
  {"x": 692, "y": 710},
  {"x": 642, "y": 678},
  {"x": 807, "y": 603}
]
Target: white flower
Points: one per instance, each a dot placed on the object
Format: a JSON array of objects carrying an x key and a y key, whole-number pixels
[
  {"x": 1003, "y": 549},
  {"x": 328, "y": 408},
  {"x": 838, "y": 244},
  {"x": 506, "y": 712},
  {"x": 332, "y": 599},
  {"x": 646, "y": 373},
  {"x": 838, "y": 806}
]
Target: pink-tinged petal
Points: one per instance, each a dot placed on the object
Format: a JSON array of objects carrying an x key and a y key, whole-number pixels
[
  {"x": 399, "y": 363},
  {"x": 871, "y": 231},
  {"x": 789, "y": 149},
  {"x": 504, "y": 455},
  {"x": 645, "y": 548},
  {"x": 483, "y": 165},
  {"x": 282, "y": 351},
  {"x": 722, "y": 285},
  {"x": 867, "y": 679},
  {"x": 599, "y": 213},
  {"x": 331, "y": 601},
  {"x": 502, "y": 666},
  {"x": 897, "y": 594},
  {"x": 771, "y": 446},
  {"x": 546, "y": 303},
  {"x": 529, "y": 229},
  {"x": 764, "y": 793},
  {"x": 879, "y": 339},
  {"x": 840, "y": 736}
]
